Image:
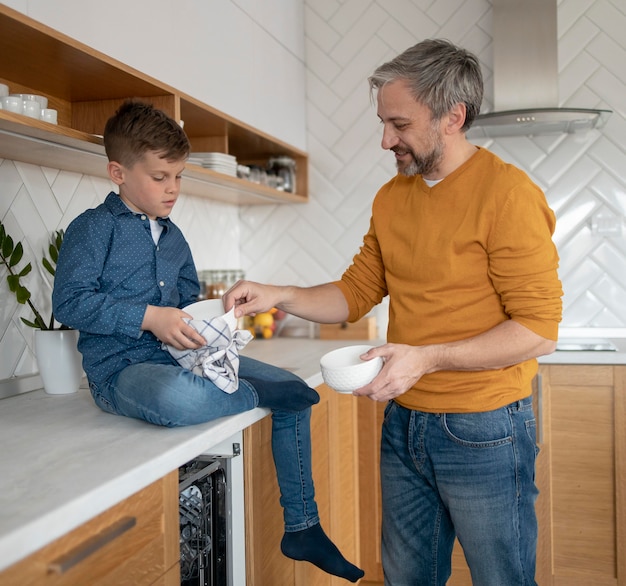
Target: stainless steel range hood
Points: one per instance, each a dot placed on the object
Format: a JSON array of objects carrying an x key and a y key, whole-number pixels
[{"x": 525, "y": 72}]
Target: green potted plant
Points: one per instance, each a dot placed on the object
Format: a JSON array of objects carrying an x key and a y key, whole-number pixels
[{"x": 58, "y": 359}]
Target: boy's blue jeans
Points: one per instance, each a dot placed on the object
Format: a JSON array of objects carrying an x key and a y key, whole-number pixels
[
  {"x": 469, "y": 475},
  {"x": 163, "y": 393}
]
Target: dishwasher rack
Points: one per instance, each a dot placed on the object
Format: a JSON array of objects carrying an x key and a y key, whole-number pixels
[{"x": 203, "y": 522}]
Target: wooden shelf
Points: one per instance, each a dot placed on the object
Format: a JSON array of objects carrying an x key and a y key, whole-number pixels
[
  {"x": 40, "y": 143},
  {"x": 86, "y": 87}
]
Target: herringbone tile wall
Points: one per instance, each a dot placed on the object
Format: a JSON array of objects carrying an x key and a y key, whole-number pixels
[
  {"x": 584, "y": 176},
  {"x": 35, "y": 201}
]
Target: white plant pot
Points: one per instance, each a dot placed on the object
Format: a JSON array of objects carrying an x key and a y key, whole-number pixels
[{"x": 59, "y": 360}]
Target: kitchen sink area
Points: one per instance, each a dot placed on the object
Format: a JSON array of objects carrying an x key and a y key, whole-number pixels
[
  {"x": 585, "y": 345},
  {"x": 588, "y": 346}
]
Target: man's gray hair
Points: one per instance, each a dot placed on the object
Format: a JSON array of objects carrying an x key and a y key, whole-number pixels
[{"x": 439, "y": 75}]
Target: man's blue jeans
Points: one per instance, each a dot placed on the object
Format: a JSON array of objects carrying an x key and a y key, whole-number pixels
[
  {"x": 163, "y": 393},
  {"x": 469, "y": 475}
]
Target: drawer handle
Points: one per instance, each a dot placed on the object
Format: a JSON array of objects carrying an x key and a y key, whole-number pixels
[{"x": 73, "y": 557}]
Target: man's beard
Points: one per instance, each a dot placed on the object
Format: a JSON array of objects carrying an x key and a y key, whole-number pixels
[{"x": 425, "y": 163}]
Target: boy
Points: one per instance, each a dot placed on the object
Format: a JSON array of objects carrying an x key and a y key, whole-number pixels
[{"x": 124, "y": 274}]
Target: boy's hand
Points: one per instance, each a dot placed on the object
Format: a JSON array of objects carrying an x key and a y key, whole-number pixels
[{"x": 167, "y": 324}]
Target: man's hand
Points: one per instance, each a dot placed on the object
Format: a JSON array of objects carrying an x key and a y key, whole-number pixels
[
  {"x": 403, "y": 366},
  {"x": 167, "y": 324},
  {"x": 250, "y": 298},
  {"x": 322, "y": 303},
  {"x": 506, "y": 344}
]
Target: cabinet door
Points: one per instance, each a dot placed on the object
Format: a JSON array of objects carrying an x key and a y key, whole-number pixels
[
  {"x": 587, "y": 421},
  {"x": 370, "y": 420},
  {"x": 134, "y": 543},
  {"x": 334, "y": 453}
]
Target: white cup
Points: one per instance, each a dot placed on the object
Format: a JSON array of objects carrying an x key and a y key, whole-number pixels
[
  {"x": 32, "y": 109},
  {"x": 4, "y": 90},
  {"x": 49, "y": 115},
  {"x": 43, "y": 101},
  {"x": 12, "y": 104}
]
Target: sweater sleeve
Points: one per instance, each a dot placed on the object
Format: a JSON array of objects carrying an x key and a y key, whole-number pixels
[
  {"x": 523, "y": 261},
  {"x": 363, "y": 282}
]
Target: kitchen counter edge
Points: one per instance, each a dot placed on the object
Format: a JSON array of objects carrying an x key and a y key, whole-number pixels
[{"x": 64, "y": 461}]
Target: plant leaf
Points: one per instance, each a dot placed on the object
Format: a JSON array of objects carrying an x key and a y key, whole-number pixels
[
  {"x": 59, "y": 238},
  {"x": 2, "y": 233},
  {"x": 46, "y": 263},
  {"x": 16, "y": 255},
  {"x": 29, "y": 323},
  {"x": 22, "y": 294},
  {"x": 54, "y": 253},
  {"x": 25, "y": 270},
  {"x": 7, "y": 246},
  {"x": 14, "y": 282}
]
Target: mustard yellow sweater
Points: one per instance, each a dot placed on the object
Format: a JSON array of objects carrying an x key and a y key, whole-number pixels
[{"x": 456, "y": 260}]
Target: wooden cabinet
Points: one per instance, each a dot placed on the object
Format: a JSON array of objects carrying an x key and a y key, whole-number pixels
[
  {"x": 581, "y": 475},
  {"x": 334, "y": 453},
  {"x": 584, "y": 425},
  {"x": 369, "y": 424},
  {"x": 86, "y": 87},
  {"x": 134, "y": 543}
]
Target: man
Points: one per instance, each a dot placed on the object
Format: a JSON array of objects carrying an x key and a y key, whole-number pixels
[{"x": 461, "y": 243}]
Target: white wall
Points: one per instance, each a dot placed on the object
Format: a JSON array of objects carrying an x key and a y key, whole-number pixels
[{"x": 243, "y": 57}]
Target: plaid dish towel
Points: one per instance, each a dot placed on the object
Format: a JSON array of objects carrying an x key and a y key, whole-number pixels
[{"x": 219, "y": 359}]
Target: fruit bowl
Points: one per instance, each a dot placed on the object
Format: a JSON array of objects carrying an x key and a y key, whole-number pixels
[{"x": 344, "y": 371}]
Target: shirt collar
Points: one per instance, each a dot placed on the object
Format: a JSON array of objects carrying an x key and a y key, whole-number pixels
[{"x": 118, "y": 208}]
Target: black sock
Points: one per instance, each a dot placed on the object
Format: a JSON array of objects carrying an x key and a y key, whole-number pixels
[
  {"x": 285, "y": 396},
  {"x": 313, "y": 545}
]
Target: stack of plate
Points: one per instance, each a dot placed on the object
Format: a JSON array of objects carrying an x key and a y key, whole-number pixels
[{"x": 220, "y": 162}]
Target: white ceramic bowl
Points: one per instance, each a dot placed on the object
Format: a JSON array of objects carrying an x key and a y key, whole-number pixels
[
  {"x": 344, "y": 371},
  {"x": 210, "y": 308},
  {"x": 206, "y": 309}
]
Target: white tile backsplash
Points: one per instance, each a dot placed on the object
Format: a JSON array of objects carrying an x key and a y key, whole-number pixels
[
  {"x": 582, "y": 175},
  {"x": 353, "y": 41},
  {"x": 44, "y": 200},
  {"x": 311, "y": 243}
]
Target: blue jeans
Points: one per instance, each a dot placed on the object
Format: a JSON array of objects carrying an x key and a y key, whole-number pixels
[
  {"x": 469, "y": 475},
  {"x": 163, "y": 393}
]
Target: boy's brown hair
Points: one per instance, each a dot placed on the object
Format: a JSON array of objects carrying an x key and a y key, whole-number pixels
[{"x": 137, "y": 128}]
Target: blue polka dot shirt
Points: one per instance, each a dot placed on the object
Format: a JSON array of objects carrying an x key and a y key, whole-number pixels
[{"x": 109, "y": 270}]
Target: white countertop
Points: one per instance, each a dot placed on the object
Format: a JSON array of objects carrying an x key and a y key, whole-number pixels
[{"x": 63, "y": 461}]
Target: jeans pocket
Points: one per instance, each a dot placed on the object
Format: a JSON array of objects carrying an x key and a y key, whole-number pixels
[
  {"x": 478, "y": 430},
  {"x": 389, "y": 408},
  {"x": 531, "y": 429}
]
